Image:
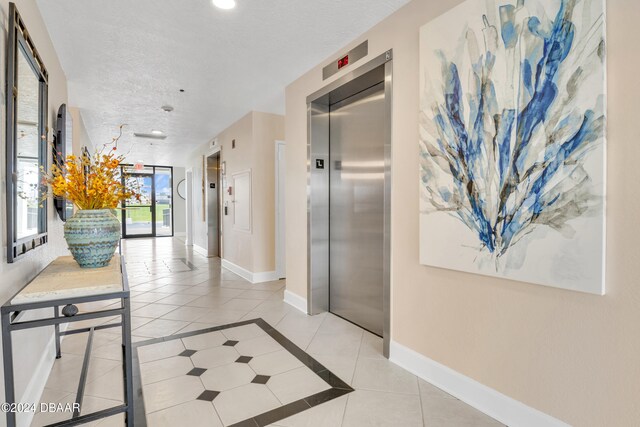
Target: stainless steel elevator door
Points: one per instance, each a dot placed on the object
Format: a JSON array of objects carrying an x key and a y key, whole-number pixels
[
  {"x": 213, "y": 206},
  {"x": 356, "y": 208}
]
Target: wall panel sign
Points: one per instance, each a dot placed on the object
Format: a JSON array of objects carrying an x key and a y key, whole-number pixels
[
  {"x": 241, "y": 183},
  {"x": 512, "y": 141}
]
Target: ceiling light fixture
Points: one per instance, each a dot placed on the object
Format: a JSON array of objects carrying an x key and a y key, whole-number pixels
[
  {"x": 149, "y": 136},
  {"x": 156, "y": 132},
  {"x": 224, "y": 4},
  {"x": 167, "y": 108}
]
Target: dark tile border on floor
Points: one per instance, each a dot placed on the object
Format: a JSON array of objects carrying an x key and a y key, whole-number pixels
[
  {"x": 188, "y": 263},
  {"x": 338, "y": 387}
]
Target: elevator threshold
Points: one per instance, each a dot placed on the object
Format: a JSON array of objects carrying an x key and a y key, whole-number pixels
[{"x": 355, "y": 324}]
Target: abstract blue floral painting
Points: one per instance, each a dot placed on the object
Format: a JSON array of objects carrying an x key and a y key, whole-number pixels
[{"x": 512, "y": 141}]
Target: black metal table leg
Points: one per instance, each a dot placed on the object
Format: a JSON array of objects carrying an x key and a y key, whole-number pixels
[
  {"x": 127, "y": 361},
  {"x": 7, "y": 360},
  {"x": 83, "y": 374},
  {"x": 56, "y": 313}
]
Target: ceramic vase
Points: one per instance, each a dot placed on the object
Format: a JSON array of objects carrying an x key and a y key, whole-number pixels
[{"x": 92, "y": 236}]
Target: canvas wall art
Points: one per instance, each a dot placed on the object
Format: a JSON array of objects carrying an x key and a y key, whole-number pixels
[{"x": 512, "y": 141}]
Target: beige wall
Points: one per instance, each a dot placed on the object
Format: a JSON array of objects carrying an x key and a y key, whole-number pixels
[
  {"x": 267, "y": 128},
  {"x": 30, "y": 346},
  {"x": 571, "y": 355},
  {"x": 179, "y": 205},
  {"x": 237, "y": 245},
  {"x": 255, "y": 135}
]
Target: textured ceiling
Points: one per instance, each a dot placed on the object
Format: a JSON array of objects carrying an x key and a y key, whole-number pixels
[{"x": 124, "y": 59}]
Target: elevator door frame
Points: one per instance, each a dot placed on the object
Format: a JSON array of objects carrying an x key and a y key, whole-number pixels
[
  {"x": 214, "y": 231},
  {"x": 373, "y": 72}
]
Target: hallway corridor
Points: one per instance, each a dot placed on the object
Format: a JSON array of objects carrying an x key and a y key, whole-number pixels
[{"x": 177, "y": 291}]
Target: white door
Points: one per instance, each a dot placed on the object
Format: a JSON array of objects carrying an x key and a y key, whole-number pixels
[{"x": 281, "y": 171}]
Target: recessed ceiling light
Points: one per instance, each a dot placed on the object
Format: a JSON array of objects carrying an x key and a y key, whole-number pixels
[
  {"x": 156, "y": 132},
  {"x": 224, "y": 4},
  {"x": 149, "y": 136},
  {"x": 167, "y": 108}
]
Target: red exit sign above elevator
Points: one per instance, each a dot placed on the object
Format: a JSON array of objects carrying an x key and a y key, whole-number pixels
[{"x": 344, "y": 61}]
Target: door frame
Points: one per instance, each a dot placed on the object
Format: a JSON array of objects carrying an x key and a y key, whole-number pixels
[
  {"x": 153, "y": 201},
  {"x": 280, "y": 210},
  {"x": 152, "y": 207},
  {"x": 214, "y": 152},
  {"x": 371, "y": 73}
]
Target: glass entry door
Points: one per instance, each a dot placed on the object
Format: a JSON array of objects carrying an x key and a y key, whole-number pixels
[
  {"x": 138, "y": 217},
  {"x": 163, "y": 197},
  {"x": 152, "y": 215}
]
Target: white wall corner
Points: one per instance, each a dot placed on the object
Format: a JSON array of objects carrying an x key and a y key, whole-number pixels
[
  {"x": 236, "y": 269},
  {"x": 36, "y": 385},
  {"x": 485, "y": 399},
  {"x": 200, "y": 250},
  {"x": 295, "y": 301},
  {"x": 267, "y": 276}
]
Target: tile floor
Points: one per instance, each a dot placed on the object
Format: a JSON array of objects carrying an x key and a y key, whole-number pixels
[
  {"x": 245, "y": 371},
  {"x": 175, "y": 291}
]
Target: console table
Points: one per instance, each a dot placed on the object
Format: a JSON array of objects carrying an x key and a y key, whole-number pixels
[{"x": 63, "y": 284}]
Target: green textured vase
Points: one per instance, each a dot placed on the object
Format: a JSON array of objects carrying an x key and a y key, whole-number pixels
[{"x": 92, "y": 236}]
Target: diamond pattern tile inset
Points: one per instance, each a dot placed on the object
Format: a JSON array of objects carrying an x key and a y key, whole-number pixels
[
  {"x": 261, "y": 379},
  {"x": 196, "y": 372},
  {"x": 222, "y": 360},
  {"x": 208, "y": 395}
]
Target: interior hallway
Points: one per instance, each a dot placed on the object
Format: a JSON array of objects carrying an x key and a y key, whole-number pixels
[{"x": 176, "y": 290}]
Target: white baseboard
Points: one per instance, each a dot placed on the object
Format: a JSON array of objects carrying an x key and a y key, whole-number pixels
[
  {"x": 242, "y": 272},
  {"x": 39, "y": 377},
  {"x": 485, "y": 399},
  {"x": 295, "y": 301},
  {"x": 200, "y": 250},
  {"x": 267, "y": 276}
]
